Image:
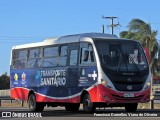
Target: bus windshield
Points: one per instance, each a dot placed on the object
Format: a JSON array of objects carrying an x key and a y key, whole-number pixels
[{"x": 121, "y": 56}]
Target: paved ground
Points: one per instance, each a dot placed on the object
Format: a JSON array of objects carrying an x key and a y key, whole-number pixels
[{"x": 59, "y": 113}]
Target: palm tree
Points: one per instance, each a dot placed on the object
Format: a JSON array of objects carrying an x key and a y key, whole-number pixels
[{"x": 142, "y": 32}]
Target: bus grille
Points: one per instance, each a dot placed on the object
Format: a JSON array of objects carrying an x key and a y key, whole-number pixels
[
  {"x": 128, "y": 86},
  {"x": 128, "y": 83}
]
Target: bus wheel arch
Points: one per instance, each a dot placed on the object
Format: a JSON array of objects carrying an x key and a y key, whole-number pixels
[
  {"x": 88, "y": 105},
  {"x": 83, "y": 94},
  {"x": 32, "y": 104},
  {"x": 30, "y": 92}
]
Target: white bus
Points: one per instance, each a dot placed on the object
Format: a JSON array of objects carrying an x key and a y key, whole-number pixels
[{"x": 95, "y": 69}]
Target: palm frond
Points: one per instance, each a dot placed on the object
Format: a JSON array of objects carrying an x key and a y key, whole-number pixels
[{"x": 142, "y": 32}]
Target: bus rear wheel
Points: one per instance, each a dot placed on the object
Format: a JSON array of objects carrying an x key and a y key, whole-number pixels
[
  {"x": 72, "y": 107},
  {"x": 88, "y": 106},
  {"x": 131, "y": 107},
  {"x": 33, "y": 105}
]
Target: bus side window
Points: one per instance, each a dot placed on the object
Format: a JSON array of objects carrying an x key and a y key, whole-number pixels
[
  {"x": 50, "y": 57},
  {"x": 14, "y": 57},
  {"x": 91, "y": 58},
  {"x": 87, "y": 54},
  {"x": 34, "y": 58},
  {"x": 73, "y": 57},
  {"x": 63, "y": 56},
  {"x": 19, "y": 59}
]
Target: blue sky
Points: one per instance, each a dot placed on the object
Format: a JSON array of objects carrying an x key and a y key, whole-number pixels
[{"x": 25, "y": 21}]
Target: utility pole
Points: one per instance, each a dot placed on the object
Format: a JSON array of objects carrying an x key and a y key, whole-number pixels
[
  {"x": 112, "y": 23},
  {"x": 102, "y": 28}
]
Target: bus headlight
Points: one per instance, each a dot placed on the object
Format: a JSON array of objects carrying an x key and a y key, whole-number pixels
[
  {"x": 148, "y": 84},
  {"x": 103, "y": 82}
]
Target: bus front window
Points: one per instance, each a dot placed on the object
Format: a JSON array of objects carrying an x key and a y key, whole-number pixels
[{"x": 121, "y": 56}]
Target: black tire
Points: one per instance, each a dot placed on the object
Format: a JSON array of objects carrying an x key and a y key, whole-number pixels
[
  {"x": 131, "y": 107},
  {"x": 33, "y": 105},
  {"x": 88, "y": 106},
  {"x": 72, "y": 107}
]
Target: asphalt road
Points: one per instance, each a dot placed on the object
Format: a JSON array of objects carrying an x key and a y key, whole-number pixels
[{"x": 61, "y": 114}]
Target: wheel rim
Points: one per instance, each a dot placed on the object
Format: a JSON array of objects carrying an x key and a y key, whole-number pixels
[
  {"x": 31, "y": 103},
  {"x": 86, "y": 104}
]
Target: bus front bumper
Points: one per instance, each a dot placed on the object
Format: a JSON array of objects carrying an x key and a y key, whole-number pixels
[{"x": 108, "y": 95}]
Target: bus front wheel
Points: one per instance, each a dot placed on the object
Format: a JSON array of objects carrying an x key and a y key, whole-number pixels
[
  {"x": 131, "y": 107},
  {"x": 88, "y": 106},
  {"x": 33, "y": 105}
]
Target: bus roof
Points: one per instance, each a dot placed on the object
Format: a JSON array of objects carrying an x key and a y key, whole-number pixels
[{"x": 65, "y": 39}]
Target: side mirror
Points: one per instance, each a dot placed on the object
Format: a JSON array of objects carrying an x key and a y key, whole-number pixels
[{"x": 85, "y": 55}]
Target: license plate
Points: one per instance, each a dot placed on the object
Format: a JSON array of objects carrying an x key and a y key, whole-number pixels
[{"x": 128, "y": 95}]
